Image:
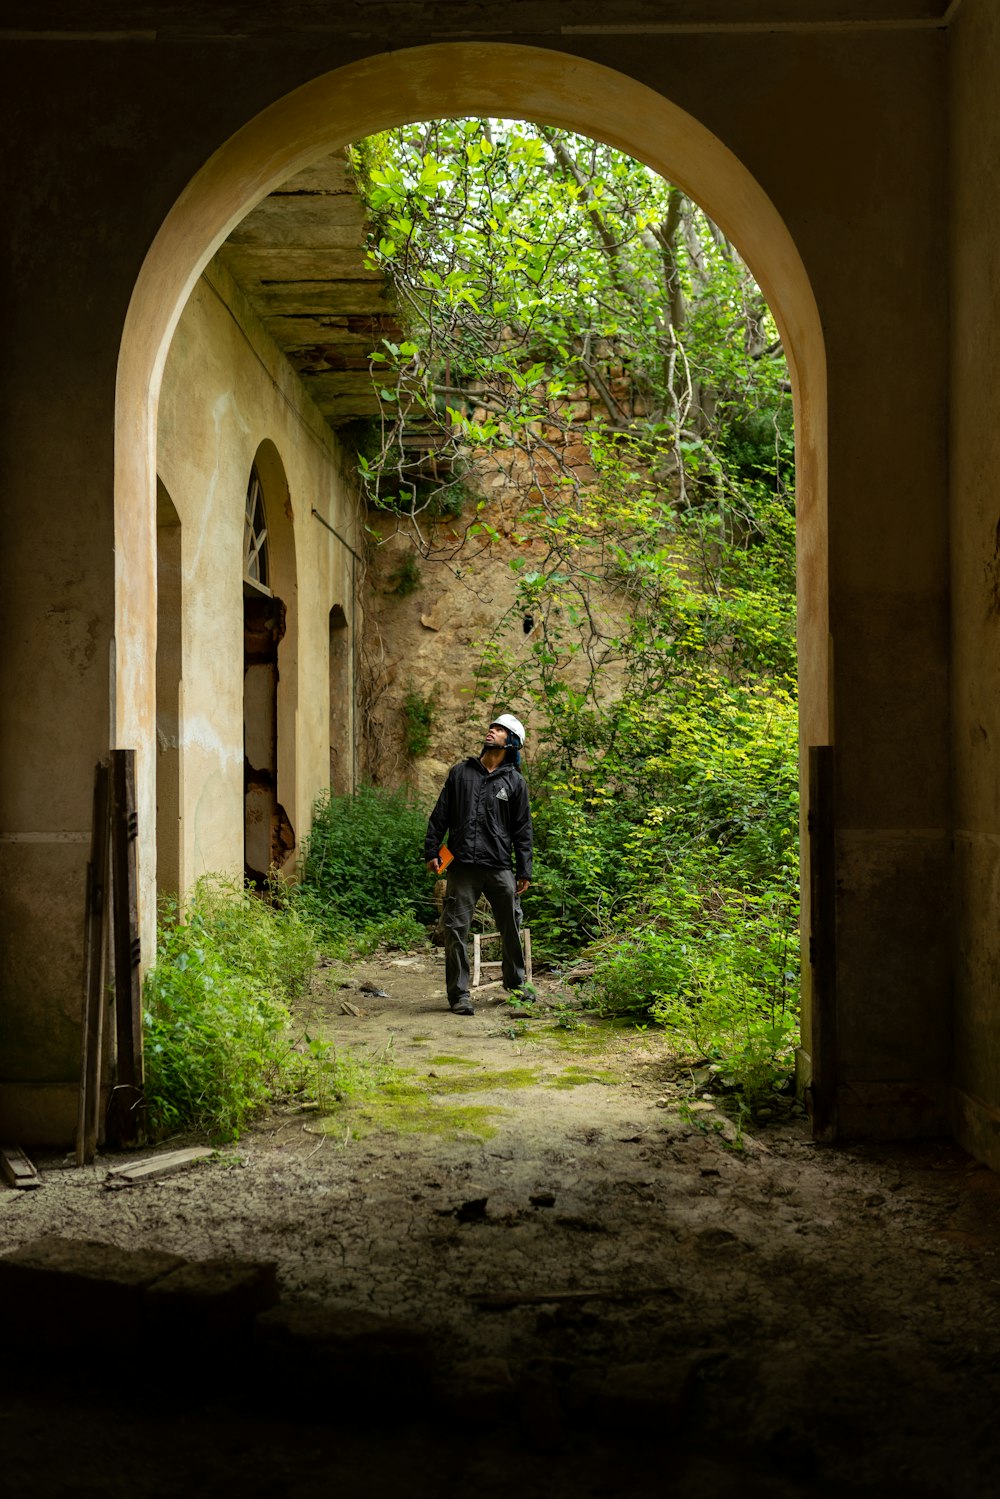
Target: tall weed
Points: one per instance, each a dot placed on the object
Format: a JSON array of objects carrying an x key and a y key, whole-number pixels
[{"x": 218, "y": 1047}]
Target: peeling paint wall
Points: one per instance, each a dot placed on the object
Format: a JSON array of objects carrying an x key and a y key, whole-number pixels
[{"x": 229, "y": 399}]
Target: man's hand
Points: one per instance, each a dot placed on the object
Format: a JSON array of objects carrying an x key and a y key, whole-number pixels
[
  {"x": 521, "y": 886},
  {"x": 434, "y": 865}
]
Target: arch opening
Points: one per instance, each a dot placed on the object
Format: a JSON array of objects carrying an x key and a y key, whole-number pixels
[{"x": 461, "y": 79}]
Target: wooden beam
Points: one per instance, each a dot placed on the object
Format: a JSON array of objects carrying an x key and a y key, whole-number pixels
[
  {"x": 258, "y": 267},
  {"x": 331, "y": 358},
  {"x": 164, "y": 1164},
  {"x": 347, "y": 408},
  {"x": 364, "y": 331},
  {"x": 326, "y": 296},
  {"x": 500, "y": 1301},
  {"x": 94, "y": 978},
  {"x": 333, "y": 223},
  {"x": 123, "y": 1114},
  {"x": 331, "y": 385},
  {"x": 331, "y": 174}
]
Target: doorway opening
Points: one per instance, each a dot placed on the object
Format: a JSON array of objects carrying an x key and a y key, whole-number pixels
[
  {"x": 268, "y": 836},
  {"x": 267, "y": 833}
]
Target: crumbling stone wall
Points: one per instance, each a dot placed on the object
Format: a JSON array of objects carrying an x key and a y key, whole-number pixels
[{"x": 430, "y": 640}]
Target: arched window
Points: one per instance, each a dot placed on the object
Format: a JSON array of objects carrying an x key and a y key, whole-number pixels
[{"x": 256, "y": 569}]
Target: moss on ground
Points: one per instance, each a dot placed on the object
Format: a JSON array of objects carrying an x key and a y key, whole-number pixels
[
  {"x": 484, "y": 1082},
  {"x": 578, "y": 1077},
  {"x": 412, "y": 1102},
  {"x": 409, "y": 1105},
  {"x": 590, "y": 1035},
  {"x": 418, "y": 1115}
]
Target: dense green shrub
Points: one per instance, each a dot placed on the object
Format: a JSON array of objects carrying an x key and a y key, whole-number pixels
[
  {"x": 758, "y": 444},
  {"x": 216, "y": 1020},
  {"x": 400, "y": 932},
  {"x": 705, "y": 771},
  {"x": 364, "y": 860},
  {"x": 667, "y": 820},
  {"x": 717, "y": 966}
]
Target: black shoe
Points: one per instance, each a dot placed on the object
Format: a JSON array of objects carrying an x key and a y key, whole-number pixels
[{"x": 461, "y": 1007}]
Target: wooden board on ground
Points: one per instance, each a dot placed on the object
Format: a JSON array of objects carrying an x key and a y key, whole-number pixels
[
  {"x": 160, "y": 1165},
  {"x": 502, "y": 1302},
  {"x": 17, "y": 1169}
]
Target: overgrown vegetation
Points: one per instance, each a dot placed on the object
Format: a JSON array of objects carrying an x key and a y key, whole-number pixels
[
  {"x": 218, "y": 1047},
  {"x": 220, "y": 1043},
  {"x": 578, "y": 324},
  {"x": 363, "y": 880},
  {"x": 536, "y": 269}
]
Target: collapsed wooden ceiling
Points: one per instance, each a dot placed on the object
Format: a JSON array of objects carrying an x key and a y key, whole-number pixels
[{"x": 300, "y": 258}]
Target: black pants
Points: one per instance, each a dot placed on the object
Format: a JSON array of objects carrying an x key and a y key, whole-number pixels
[{"x": 466, "y": 883}]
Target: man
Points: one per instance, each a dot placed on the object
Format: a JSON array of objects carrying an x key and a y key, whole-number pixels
[{"x": 483, "y": 808}]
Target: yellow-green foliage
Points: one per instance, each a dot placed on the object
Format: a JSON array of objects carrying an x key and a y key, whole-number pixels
[{"x": 218, "y": 1047}]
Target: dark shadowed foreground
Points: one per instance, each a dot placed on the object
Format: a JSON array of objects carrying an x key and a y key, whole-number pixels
[{"x": 613, "y": 1292}]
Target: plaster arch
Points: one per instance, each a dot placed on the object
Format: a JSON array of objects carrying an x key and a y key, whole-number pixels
[{"x": 448, "y": 79}]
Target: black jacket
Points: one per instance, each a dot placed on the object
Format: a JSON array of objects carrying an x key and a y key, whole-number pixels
[{"x": 486, "y": 817}]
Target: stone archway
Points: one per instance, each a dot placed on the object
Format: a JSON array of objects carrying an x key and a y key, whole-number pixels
[{"x": 449, "y": 79}]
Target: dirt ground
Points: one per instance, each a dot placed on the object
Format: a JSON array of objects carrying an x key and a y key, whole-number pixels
[{"x": 557, "y": 1204}]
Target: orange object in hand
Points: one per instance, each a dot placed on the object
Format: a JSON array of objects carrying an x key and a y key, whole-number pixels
[{"x": 445, "y": 857}]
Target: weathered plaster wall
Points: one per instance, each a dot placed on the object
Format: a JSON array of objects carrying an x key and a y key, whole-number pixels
[
  {"x": 852, "y": 174},
  {"x": 227, "y": 391},
  {"x": 975, "y": 540},
  {"x": 844, "y": 131}
]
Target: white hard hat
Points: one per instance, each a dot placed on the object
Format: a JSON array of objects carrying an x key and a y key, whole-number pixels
[{"x": 508, "y": 721}]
